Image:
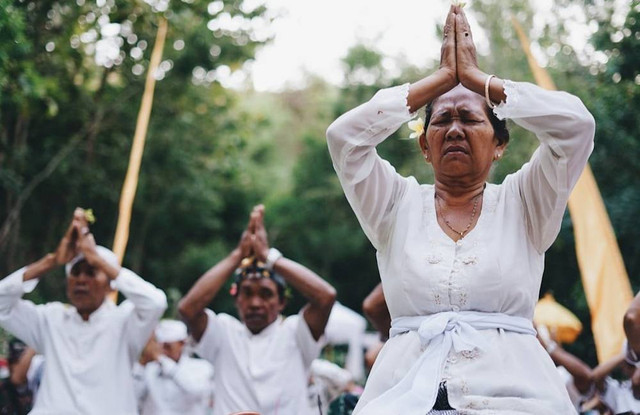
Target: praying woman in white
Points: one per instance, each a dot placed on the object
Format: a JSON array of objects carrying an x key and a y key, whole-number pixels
[{"x": 461, "y": 260}]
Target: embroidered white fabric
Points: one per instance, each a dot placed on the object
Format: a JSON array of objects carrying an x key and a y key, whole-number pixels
[{"x": 439, "y": 333}]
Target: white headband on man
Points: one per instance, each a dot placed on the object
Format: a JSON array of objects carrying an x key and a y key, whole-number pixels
[
  {"x": 169, "y": 331},
  {"x": 103, "y": 252}
]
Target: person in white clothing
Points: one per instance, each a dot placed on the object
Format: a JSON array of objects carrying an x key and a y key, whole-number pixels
[
  {"x": 327, "y": 382},
  {"x": 461, "y": 260},
  {"x": 20, "y": 389},
  {"x": 171, "y": 382},
  {"x": 583, "y": 383},
  {"x": 262, "y": 361},
  {"x": 345, "y": 326},
  {"x": 618, "y": 394},
  {"x": 89, "y": 347},
  {"x": 631, "y": 325}
]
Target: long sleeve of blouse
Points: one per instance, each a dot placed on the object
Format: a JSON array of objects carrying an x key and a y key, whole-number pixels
[{"x": 559, "y": 120}]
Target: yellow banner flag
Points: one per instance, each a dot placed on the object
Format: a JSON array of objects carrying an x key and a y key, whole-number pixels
[{"x": 604, "y": 277}]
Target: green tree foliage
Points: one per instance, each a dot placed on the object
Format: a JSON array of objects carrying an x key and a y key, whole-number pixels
[{"x": 71, "y": 80}]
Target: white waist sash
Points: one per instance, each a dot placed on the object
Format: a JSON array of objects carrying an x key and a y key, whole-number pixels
[{"x": 416, "y": 392}]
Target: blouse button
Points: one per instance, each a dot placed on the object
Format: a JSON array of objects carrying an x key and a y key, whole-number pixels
[{"x": 455, "y": 308}]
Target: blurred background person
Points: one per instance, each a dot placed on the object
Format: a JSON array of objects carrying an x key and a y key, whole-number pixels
[
  {"x": 169, "y": 381},
  {"x": 327, "y": 382},
  {"x": 20, "y": 389},
  {"x": 262, "y": 360},
  {"x": 375, "y": 309},
  {"x": 347, "y": 328}
]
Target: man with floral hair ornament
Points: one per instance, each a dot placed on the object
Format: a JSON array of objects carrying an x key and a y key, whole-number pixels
[{"x": 261, "y": 361}]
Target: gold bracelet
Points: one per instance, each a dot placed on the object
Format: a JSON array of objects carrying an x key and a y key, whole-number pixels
[{"x": 486, "y": 92}]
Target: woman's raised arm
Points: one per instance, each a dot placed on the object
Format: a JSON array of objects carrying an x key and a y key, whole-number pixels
[{"x": 445, "y": 77}]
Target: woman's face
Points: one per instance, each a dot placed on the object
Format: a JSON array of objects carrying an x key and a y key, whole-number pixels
[{"x": 460, "y": 139}]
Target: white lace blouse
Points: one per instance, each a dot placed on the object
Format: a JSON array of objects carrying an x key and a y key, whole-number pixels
[{"x": 496, "y": 268}]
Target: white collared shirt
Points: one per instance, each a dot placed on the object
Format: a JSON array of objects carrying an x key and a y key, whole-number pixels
[
  {"x": 266, "y": 372},
  {"x": 166, "y": 387},
  {"x": 345, "y": 326},
  {"x": 618, "y": 396},
  {"x": 577, "y": 398},
  {"x": 328, "y": 382},
  {"x": 496, "y": 268},
  {"x": 87, "y": 363},
  {"x": 34, "y": 374}
]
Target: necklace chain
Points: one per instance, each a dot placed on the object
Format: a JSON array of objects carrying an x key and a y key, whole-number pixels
[{"x": 473, "y": 214}]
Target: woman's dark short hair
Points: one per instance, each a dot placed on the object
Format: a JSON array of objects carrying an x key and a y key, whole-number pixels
[{"x": 500, "y": 129}]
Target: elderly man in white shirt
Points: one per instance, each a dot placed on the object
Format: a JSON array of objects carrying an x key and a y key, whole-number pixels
[
  {"x": 89, "y": 346},
  {"x": 261, "y": 362},
  {"x": 171, "y": 382}
]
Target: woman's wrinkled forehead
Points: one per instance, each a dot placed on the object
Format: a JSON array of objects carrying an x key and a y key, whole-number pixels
[{"x": 459, "y": 97}]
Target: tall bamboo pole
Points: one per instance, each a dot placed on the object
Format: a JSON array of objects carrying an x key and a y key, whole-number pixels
[{"x": 137, "y": 148}]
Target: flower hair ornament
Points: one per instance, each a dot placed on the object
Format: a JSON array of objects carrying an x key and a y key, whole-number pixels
[
  {"x": 458, "y": 3},
  {"x": 88, "y": 214},
  {"x": 252, "y": 268},
  {"x": 417, "y": 126}
]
